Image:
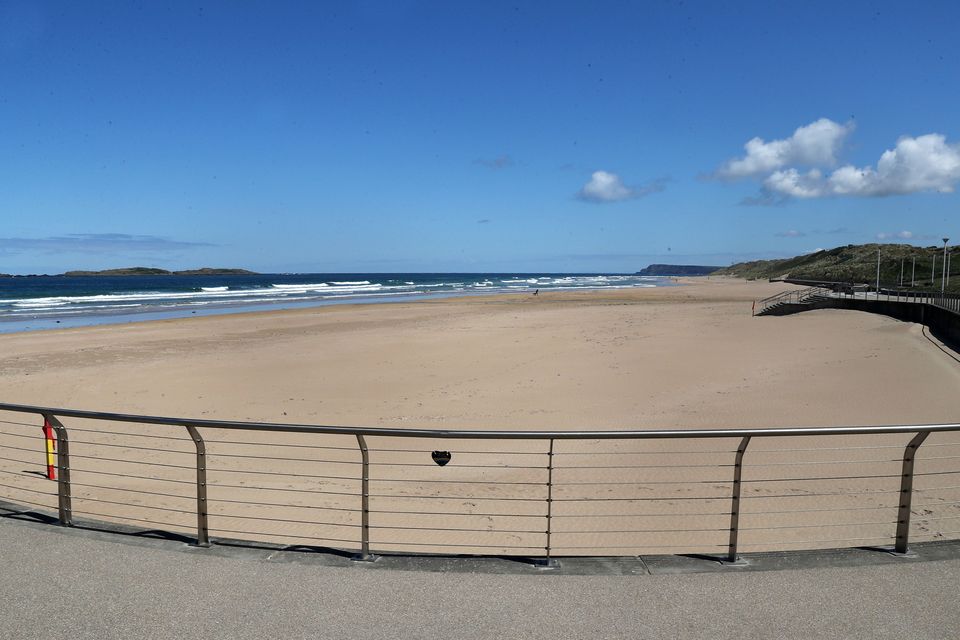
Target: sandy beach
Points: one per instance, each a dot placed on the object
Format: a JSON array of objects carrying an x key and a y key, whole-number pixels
[{"x": 680, "y": 357}]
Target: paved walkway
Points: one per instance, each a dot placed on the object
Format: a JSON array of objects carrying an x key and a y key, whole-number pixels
[{"x": 79, "y": 584}]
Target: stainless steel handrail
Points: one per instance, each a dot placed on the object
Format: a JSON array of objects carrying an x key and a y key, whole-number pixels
[
  {"x": 468, "y": 434},
  {"x": 920, "y": 432}
]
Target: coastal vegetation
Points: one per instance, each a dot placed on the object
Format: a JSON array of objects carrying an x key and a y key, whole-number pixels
[{"x": 905, "y": 264}]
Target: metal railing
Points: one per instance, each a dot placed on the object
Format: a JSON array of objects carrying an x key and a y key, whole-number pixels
[
  {"x": 947, "y": 301},
  {"x": 794, "y": 296},
  {"x": 533, "y": 494}
]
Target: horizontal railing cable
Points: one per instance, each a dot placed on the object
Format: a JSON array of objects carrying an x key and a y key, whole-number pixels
[
  {"x": 133, "y": 505},
  {"x": 467, "y": 497},
  {"x": 817, "y": 525},
  {"x": 820, "y": 494},
  {"x": 20, "y": 501},
  {"x": 274, "y": 534},
  {"x": 33, "y": 450},
  {"x": 824, "y": 510},
  {"x": 284, "y": 489},
  {"x": 641, "y": 515},
  {"x": 121, "y": 460},
  {"x": 462, "y": 514},
  {"x": 131, "y": 434},
  {"x": 32, "y": 462},
  {"x": 257, "y": 503},
  {"x": 28, "y": 490},
  {"x": 288, "y": 520},
  {"x": 456, "y": 545},
  {"x": 18, "y": 424},
  {"x": 128, "y": 489},
  {"x": 128, "y": 446},
  {"x": 113, "y": 516},
  {"x": 283, "y": 459},
  {"x": 27, "y": 436},
  {"x": 935, "y": 518},
  {"x": 127, "y": 475}
]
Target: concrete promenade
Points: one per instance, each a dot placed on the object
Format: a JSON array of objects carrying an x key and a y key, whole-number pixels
[{"x": 84, "y": 584}]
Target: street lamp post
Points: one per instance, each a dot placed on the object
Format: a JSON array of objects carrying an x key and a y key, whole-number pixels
[
  {"x": 913, "y": 273},
  {"x": 943, "y": 275},
  {"x": 878, "y": 272}
]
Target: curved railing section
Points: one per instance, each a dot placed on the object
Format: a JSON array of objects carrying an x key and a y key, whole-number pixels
[
  {"x": 858, "y": 292},
  {"x": 532, "y": 494}
]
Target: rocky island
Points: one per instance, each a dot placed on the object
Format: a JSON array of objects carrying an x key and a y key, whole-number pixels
[{"x": 150, "y": 271}]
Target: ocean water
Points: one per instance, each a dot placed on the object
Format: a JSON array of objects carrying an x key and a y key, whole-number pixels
[{"x": 41, "y": 302}]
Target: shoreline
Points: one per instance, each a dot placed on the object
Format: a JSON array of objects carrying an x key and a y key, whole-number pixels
[
  {"x": 583, "y": 295},
  {"x": 62, "y": 307}
]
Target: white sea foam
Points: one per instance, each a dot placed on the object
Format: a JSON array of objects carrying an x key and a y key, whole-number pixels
[
  {"x": 40, "y": 302},
  {"x": 280, "y": 293},
  {"x": 306, "y": 287}
]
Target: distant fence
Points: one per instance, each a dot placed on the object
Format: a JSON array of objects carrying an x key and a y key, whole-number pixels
[
  {"x": 938, "y": 311},
  {"x": 531, "y": 494}
]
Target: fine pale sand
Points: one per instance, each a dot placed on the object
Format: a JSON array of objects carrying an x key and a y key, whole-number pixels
[{"x": 681, "y": 357}]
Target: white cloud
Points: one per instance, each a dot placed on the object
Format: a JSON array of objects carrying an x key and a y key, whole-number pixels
[
  {"x": 791, "y": 182},
  {"x": 792, "y": 233},
  {"x": 814, "y": 144},
  {"x": 925, "y": 163},
  {"x": 902, "y": 235},
  {"x": 604, "y": 186}
]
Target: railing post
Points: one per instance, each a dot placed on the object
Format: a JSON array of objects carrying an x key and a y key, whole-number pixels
[
  {"x": 906, "y": 493},
  {"x": 203, "y": 533},
  {"x": 64, "y": 500},
  {"x": 547, "y": 562},
  {"x": 735, "y": 502},
  {"x": 364, "y": 555}
]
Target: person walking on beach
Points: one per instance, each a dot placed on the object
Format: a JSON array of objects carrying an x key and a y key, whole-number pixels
[{"x": 536, "y": 292}]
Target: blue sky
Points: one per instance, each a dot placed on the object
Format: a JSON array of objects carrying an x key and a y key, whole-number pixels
[{"x": 451, "y": 136}]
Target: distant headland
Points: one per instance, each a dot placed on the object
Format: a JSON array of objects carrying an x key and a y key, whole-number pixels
[
  {"x": 676, "y": 270},
  {"x": 149, "y": 271}
]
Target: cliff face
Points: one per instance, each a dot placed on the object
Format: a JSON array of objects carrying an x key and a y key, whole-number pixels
[{"x": 676, "y": 270}]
